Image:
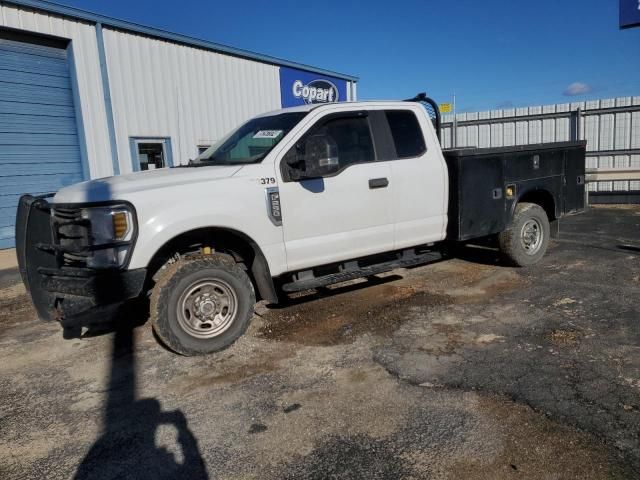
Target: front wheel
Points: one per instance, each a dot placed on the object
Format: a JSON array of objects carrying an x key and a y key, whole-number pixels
[
  {"x": 525, "y": 242},
  {"x": 202, "y": 305}
]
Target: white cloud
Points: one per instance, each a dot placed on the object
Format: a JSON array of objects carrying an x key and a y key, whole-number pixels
[{"x": 577, "y": 88}]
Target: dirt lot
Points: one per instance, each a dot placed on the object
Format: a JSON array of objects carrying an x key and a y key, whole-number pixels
[{"x": 461, "y": 369}]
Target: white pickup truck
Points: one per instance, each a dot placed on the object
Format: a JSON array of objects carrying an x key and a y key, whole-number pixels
[{"x": 291, "y": 200}]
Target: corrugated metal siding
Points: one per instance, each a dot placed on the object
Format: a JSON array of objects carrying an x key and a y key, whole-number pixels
[
  {"x": 605, "y": 131},
  {"x": 85, "y": 57},
  {"x": 39, "y": 149},
  {"x": 193, "y": 96},
  {"x": 158, "y": 88}
]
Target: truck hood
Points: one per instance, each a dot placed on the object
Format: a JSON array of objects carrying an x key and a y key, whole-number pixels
[{"x": 116, "y": 188}]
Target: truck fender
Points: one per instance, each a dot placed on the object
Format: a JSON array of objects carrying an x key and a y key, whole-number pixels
[
  {"x": 262, "y": 275},
  {"x": 542, "y": 197},
  {"x": 258, "y": 265}
]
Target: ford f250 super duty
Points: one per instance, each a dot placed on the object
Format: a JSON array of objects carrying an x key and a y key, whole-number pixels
[{"x": 291, "y": 200}]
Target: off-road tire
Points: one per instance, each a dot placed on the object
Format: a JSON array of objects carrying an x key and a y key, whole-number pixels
[
  {"x": 175, "y": 279},
  {"x": 511, "y": 243}
]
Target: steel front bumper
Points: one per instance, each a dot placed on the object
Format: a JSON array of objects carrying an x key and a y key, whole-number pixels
[{"x": 60, "y": 292}]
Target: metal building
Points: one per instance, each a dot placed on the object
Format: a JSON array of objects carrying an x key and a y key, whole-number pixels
[
  {"x": 610, "y": 126},
  {"x": 85, "y": 96}
]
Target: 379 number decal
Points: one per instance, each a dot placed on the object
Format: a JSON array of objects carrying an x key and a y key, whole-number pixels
[{"x": 267, "y": 181}]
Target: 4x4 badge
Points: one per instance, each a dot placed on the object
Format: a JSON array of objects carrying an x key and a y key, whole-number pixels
[{"x": 273, "y": 205}]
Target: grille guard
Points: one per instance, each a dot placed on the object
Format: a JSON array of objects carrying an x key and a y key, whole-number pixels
[
  {"x": 33, "y": 229},
  {"x": 61, "y": 290}
]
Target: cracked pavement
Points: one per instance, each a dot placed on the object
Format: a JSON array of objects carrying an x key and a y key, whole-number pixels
[{"x": 460, "y": 369}]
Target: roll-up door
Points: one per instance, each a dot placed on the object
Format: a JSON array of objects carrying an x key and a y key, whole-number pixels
[{"x": 39, "y": 149}]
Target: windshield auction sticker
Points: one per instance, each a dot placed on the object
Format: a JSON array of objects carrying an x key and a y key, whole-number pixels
[{"x": 267, "y": 134}]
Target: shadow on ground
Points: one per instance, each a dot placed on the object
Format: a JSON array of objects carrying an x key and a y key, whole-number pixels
[
  {"x": 307, "y": 393},
  {"x": 127, "y": 447}
]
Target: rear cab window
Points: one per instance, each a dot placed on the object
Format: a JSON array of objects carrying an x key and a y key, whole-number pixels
[{"x": 406, "y": 133}]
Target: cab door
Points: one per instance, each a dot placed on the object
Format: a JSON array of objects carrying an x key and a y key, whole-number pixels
[
  {"x": 336, "y": 198},
  {"x": 420, "y": 179}
]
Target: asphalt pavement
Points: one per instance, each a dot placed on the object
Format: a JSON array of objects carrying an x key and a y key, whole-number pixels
[{"x": 461, "y": 369}]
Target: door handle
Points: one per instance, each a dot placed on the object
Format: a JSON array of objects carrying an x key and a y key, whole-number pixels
[{"x": 378, "y": 182}]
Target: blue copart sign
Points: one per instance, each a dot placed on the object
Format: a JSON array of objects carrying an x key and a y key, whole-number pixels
[
  {"x": 629, "y": 13},
  {"x": 298, "y": 87}
]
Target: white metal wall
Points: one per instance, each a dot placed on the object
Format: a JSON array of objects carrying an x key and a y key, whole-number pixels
[
  {"x": 193, "y": 96},
  {"x": 87, "y": 74},
  {"x": 158, "y": 88},
  {"x": 603, "y": 132}
]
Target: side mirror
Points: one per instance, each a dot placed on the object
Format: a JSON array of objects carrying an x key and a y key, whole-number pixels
[
  {"x": 330, "y": 163},
  {"x": 318, "y": 156},
  {"x": 294, "y": 161},
  {"x": 295, "y": 157}
]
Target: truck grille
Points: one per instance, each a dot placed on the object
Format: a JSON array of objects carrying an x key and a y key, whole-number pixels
[{"x": 72, "y": 232}]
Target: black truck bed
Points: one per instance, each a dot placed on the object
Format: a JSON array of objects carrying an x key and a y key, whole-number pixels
[{"x": 480, "y": 178}]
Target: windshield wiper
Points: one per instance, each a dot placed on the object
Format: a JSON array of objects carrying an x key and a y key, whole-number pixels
[{"x": 207, "y": 162}]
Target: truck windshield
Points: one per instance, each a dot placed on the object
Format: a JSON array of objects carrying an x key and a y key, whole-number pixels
[{"x": 251, "y": 142}]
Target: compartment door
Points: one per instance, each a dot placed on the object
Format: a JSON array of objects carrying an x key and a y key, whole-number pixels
[{"x": 574, "y": 185}]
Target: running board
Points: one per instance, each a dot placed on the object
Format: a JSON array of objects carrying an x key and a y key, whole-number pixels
[{"x": 351, "y": 271}]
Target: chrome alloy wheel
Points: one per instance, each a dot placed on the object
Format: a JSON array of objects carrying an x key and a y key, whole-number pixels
[
  {"x": 531, "y": 236},
  {"x": 207, "y": 308}
]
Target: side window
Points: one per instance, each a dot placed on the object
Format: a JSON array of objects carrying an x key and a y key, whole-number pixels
[
  {"x": 330, "y": 147},
  {"x": 406, "y": 133}
]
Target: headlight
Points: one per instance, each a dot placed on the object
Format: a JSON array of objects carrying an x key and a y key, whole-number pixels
[{"x": 112, "y": 224}]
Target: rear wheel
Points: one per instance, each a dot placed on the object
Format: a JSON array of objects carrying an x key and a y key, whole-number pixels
[
  {"x": 526, "y": 241},
  {"x": 202, "y": 305}
]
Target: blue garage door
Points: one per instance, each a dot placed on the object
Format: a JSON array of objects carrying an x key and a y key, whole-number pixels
[{"x": 39, "y": 150}]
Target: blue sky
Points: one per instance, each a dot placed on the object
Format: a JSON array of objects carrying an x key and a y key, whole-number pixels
[{"x": 491, "y": 53}]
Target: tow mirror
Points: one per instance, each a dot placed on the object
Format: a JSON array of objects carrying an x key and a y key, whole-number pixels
[
  {"x": 294, "y": 158},
  {"x": 295, "y": 163},
  {"x": 320, "y": 156},
  {"x": 316, "y": 156},
  {"x": 328, "y": 163}
]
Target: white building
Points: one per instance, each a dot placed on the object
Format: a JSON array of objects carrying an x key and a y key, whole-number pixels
[{"x": 85, "y": 96}]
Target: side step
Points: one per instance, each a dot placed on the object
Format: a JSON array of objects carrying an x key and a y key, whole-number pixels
[{"x": 351, "y": 270}]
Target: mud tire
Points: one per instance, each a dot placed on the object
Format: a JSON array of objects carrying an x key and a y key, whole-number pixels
[
  {"x": 512, "y": 245},
  {"x": 179, "y": 276}
]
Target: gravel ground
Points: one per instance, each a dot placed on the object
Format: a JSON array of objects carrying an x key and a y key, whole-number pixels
[{"x": 460, "y": 369}]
